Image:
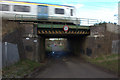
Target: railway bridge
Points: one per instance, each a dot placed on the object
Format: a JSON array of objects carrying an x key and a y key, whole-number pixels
[
  {"x": 36, "y": 32},
  {"x": 74, "y": 34}
]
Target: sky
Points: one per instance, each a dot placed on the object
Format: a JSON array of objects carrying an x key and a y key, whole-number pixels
[{"x": 103, "y": 10}]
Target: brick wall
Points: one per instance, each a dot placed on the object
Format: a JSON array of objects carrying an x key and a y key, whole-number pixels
[
  {"x": 13, "y": 33},
  {"x": 100, "y": 40}
]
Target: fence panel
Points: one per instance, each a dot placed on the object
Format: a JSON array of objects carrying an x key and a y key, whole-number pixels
[
  {"x": 0, "y": 56},
  {"x": 115, "y": 46},
  {"x": 10, "y": 54}
]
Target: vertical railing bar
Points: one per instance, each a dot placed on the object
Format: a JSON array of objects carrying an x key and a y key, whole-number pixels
[{"x": 6, "y": 44}]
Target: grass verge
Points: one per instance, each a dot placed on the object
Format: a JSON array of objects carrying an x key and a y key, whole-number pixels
[
  {"x": 109, "y": 62},
  {"x": 20, "y": 69}
]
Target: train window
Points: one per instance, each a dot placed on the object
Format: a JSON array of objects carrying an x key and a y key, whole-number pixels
[
  {"x": 4, "y": 7},
  {"x": 39, "y": 10},
  {"x": 19, "y": 8},
  {"x": 59, "y": 11},
  {"x": 71, "y": 12},
  {"x": 45, "y": 10}
]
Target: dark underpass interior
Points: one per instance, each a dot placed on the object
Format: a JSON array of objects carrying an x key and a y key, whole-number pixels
[
  {"x": 61, "y": 47},
  {"x": 58, "y": 55},
  {"x": 57, "y": 48}
]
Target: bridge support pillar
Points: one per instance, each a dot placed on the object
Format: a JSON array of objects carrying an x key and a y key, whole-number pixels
[
  {"x": 77, "y": 45},
  {"x": 41, "y": 49}
]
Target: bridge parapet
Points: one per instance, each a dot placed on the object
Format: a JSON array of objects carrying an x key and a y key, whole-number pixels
[{"x": 74, "y": 20}]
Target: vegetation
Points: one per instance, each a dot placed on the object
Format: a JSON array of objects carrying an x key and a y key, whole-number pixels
[
  {"x": 109, "y": 62},
  {"x": 20, "y": 69},
  {"x": 61, "y": 46},
  {"x": 104, "y": 23},
  {"x": 48, "y": 49}
]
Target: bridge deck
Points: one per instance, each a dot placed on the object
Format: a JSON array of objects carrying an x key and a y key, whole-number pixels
[
  {"x": 56, "y": 30},
  {"x": 61, "y": 26}
]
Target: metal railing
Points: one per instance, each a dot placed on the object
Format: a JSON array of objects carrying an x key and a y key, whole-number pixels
[{"x": 78, "y": 21}]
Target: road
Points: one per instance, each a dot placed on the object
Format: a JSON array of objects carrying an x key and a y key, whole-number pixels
[
  {"x": 63, "y": 66},
  {"x": 56, "y": 48}
]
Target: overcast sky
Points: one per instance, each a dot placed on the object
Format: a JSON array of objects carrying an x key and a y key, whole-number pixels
[{"x": 104, "y": 10}]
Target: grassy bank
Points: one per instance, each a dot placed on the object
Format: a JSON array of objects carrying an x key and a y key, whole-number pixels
[
  {"x": 20, "y": 69},
  {"x": 109, "y": 62}
]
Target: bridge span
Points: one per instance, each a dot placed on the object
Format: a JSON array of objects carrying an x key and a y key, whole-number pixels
[
  {"x": 38, "y": 31},
  {"x": 75, "y": 35}
]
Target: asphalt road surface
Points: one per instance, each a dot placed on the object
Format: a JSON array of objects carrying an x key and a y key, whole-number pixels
[{"x": 63, "y": 66}]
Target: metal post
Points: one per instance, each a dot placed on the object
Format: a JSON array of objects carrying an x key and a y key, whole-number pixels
[
  {"x": 6, "y": 44},
  {"x": 88, "y": 21},
  {"x": 15, "y": 16},
  {"x": 77, "y": 23},
  {"x": 80, "y": 22}
]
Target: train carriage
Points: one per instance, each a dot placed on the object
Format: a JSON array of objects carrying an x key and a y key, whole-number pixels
[{"x": 37, "y": 11}]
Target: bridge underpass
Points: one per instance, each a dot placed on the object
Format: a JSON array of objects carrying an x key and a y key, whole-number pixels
[
  {"x": 72, "y": 68},
  {"x": 76, "y": 37},
  {"x": 75, "y": 46},
  {"x": 69, "y": 66},
  {"x": 42, "y": 30}
]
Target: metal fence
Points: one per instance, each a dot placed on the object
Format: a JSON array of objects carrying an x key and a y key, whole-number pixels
[
  {"x": 10, "y": 54},
  {"x": 115, "y": 46},
  {"x": 0, "y": 55}
]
